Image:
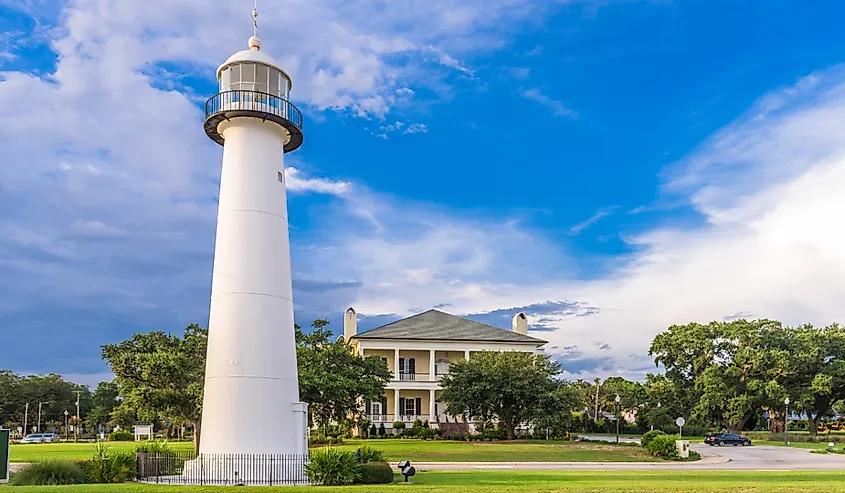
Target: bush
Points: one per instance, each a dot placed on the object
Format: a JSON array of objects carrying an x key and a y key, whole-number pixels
[
  {"x": 333, "y": 467},
  {"x": 156, "y": 447},
  {"x": 373, "y": 430},
  {"x": 121, "y": 436},
  {"x": 376, "y": 473},
  {"x": 693, "y": 455},
  {"x": 365, "y": 455},
  {"x": 649, "y": 436},
  {"x": 399, "y": 425},
  {"x": 428, "y": 433},
  {"x": 51, "y": 472},
  {"x": 111, "y": 468},
  {"x": 381, "y": 430},
  {"x": 664, "y": 446}
]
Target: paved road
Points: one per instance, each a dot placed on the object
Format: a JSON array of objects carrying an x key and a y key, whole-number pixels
[{"x": 754, "y": 458}]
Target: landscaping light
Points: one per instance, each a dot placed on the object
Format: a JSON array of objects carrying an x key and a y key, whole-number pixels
[{"x": 406, "y": 469}]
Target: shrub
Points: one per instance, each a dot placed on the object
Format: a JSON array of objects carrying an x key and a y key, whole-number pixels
[
  {"x": 51, "y": 472},
  {"x": 376, "y": 473},
  {"x": 374, "y": 430},
  {"x": 121, "y": 436},
  {"x": 333, "y": 467},
  {"x": 649, "y": 436},
  {"x": 111, "y": 468},
  {"x": 693, "y": 455},
  {"x": 336, "y": 431},
  {"x": 156, "y": 447},
  {"x": 381, "y": 430},
  {"x": 427, "y": 433},
  {"x": 365, "y": 455},
  {"x": 664, "y": 446}
]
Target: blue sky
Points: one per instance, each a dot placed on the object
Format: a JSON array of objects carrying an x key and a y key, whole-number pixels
[{"x": 609, "y": 167}]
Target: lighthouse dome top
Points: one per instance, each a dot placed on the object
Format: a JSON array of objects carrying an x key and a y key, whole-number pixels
[{"x": 253, "y": 55}]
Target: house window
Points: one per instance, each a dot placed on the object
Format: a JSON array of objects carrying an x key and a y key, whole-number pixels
[{"x": 407, "y": 368}]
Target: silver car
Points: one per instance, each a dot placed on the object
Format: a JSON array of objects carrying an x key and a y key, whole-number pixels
[{"x": 41, "y": 438}]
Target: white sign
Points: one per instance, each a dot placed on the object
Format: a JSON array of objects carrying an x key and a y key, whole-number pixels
[{"x": 680, "y": 421}]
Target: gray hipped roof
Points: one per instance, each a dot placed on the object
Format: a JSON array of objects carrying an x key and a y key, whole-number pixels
[{"x": 436, "y": 325}]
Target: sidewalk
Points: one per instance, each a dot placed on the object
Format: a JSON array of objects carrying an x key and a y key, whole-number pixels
[{"x": 709, "y": 460}]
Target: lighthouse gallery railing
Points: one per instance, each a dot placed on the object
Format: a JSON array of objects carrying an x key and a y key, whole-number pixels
[{"x": 244, "y": 100}]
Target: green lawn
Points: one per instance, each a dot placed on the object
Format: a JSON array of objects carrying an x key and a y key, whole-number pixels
[
  {"x": 536, "y": 481},
  {"x": 32, "y": 452},
  {"x": 397, "y": 449},
  {"x": 524, "y": 451}
]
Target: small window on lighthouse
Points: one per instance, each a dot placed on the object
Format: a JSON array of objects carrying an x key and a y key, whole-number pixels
[{"x": 281, "y": 177}]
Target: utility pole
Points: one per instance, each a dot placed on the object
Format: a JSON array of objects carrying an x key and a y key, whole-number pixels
[
  {"x": 39, "y": 416},
  {"x": 598, "y": 384},
  {"x": 78, "y": 417}
]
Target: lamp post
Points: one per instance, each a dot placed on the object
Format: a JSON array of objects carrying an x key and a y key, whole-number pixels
[
  {"x": 786, "y": 422},
  {"x": 39, "y": 415},
  {"x": 66, "y": 431},
  {"x": 618, "y": 399},
  {"x": 652, "y": 419}
]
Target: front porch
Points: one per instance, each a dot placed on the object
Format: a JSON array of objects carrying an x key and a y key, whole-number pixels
[{"x": 409, "y": 405}]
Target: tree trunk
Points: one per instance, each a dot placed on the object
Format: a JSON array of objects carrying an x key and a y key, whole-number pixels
[
  {"x": 814, "y": 425},
  {"x": 197, "y": 428},
  {"x": 511, "y": 431}
]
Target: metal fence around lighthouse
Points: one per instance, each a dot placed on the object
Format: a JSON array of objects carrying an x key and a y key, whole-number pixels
[{"x": 184, "y": 467}]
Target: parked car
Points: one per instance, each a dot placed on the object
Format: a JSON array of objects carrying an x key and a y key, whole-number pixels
[
  {"x": 722, "y": 439},
  {"x": 41, "y": 438}
]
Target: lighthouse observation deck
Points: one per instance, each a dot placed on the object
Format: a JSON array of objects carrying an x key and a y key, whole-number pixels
[{"x": 243, "y": 103}]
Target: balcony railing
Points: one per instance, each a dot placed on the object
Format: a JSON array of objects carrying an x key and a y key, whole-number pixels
[
  {"x": 390, "y": 418},
  {"x": 414, "y": 377},
  {"x": 242, "y": 102},
  {"x": 253, "y": 101}
]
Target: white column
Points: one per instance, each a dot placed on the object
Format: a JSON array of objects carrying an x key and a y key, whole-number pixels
[
  {"x": 396, "y": 367},
  {"x": 431, "y": 416},
  {"x": 396, "y": 405},
  {"x": 431, "y": 376},
  {"x": 466, "y": 354}
]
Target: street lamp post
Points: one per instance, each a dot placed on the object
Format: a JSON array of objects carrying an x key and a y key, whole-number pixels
[
  {"x": 39, "y": 416},
  {"x": 652, "y": 419},
  {"x": 786, "y": 422},
  {"x": 618, "y": 399},
  {"x": 66, "y": 431}
]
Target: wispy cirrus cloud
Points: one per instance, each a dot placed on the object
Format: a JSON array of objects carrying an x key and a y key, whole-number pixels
[{"x": 558, "y": 107}]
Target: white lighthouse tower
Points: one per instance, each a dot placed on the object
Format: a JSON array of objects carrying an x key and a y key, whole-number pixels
[{"x": 251, "y": 402}]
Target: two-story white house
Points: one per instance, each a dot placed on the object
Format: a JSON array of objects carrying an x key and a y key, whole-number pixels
[{"x": 419, "y": 350}]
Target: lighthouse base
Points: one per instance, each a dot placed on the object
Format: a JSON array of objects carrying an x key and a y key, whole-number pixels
[{"x": 245, "y": 469}]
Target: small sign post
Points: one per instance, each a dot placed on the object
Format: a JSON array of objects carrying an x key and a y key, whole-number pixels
[
  {"x": 5, "y": 441},
  {"x": 680, "y": 422}
]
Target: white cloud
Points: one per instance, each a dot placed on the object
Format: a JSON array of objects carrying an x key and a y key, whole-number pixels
[
  {"x": 768, "y": 187},
  {"x": 557, "y": 106},
  {"x": 296, "y": 182},
  {"x": 416, "y": 128},
  {"x": 108, "y": 175},
  {"x": 601, "y": 213}
]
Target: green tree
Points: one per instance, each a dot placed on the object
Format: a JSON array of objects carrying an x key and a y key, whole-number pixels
[
  {"x": 161, "y": 375},
  {"x": 104, "y": 401},
  {"x": 509, "y": 386},
  {"x": 333, "y": 380}
]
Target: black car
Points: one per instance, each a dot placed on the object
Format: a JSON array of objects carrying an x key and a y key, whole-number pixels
[{"x": 722, "y": 439}]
